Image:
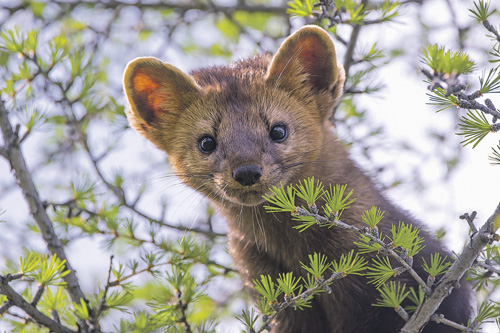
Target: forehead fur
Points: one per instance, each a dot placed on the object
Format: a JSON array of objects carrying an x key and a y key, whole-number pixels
[
  {"x": 240, "y": 73},
  {"x": 238, "y": 91}
]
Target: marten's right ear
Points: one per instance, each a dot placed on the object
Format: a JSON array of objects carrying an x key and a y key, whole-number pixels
[{"x": 157, "y": 93}]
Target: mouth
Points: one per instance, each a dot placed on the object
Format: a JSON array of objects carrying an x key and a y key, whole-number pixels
[{"x": 245, "y": 197}]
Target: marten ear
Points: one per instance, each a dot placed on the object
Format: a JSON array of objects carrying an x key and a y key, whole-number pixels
[
  {"x": 157, "y": 93},
  {"x": 308, "y": 51}
]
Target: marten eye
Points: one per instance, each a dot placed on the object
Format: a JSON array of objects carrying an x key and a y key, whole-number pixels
[
  {"x": 278, "y": 133},
  {"x": 207, "y": 144}
]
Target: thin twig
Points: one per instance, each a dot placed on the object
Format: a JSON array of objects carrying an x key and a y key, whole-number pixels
[
  {"x": 470, "y": 220},
  {"x": 440, "y": 319},
  {"x": 38, "y": 295},
  {"x": 102, "y": 303},
  {"x": 492, "y": 29},
  {"x": 488, "y": 267},
  {"x": 183, "y": 307},
  {"x": 402, "y": 313},
  {"x": 348, "y": 57}
]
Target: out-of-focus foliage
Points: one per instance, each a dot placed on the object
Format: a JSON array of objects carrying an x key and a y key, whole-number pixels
[{"x": 142, "y": 263}]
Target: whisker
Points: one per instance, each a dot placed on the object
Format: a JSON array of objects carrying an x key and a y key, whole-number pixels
[
  {"x": 196, "y": 175},
  {"x": 240, "y": 217},
  {"x": 256, "y": 241},
  {"x": 260, "y": 223}
]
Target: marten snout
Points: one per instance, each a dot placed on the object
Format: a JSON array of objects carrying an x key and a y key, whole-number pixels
[{"x": 247, "y": 174}]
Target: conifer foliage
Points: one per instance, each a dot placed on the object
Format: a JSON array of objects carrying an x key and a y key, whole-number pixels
[{"x": 67, "y": 193}]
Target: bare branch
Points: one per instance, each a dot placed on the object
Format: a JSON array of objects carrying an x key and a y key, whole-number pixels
[
  {"x": 402, "y": 313},
  {"x": 440, "y": 319},
  {"x": 5, "y": 306},
  {"x": 488, "y": 267},
  {"x": 470, "y": 220},
  {"x": 38, "y": 295},
  {"x": 102, "y": 303},
  {"x": 348, "y": 57},
  {"x": 478, "y": 241},
  {"x": 492, "y": 29}
]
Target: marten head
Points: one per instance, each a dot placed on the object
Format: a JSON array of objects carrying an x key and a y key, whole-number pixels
[{"x": 233, "y": 132}]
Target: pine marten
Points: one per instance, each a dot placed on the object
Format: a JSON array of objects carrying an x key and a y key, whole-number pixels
[{"x": 233, "y": 132}]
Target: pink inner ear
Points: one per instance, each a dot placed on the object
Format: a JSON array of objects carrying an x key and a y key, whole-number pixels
[
  {"x": 314, "y": 56},
  {"x": 143, "y": 82},
  {"x": 157, "y": 103},
  {"x": 149, "y": 93}
]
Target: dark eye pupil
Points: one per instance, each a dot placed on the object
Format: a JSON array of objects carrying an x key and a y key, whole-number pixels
[
  {"x": 207, "y": 144},
  {"x": 278, "y": 133}
]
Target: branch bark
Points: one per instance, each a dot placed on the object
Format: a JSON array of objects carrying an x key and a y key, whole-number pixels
[
  {"x": 198, "y": 5},
  {"x": 17, "y": 162},
  {"x": 348, "y": 57},
  {"x": 17, "y": 300},
  {"x": 338, "y": 223},
  {"x": 488, "y": 267},
  {"x": 478, "y": 241}
]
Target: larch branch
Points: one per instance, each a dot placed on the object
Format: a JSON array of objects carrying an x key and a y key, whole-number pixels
[{"x": 37, "y": 209}]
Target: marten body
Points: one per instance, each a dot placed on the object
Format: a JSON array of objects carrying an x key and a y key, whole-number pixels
[{"x": 233, "y": 132}]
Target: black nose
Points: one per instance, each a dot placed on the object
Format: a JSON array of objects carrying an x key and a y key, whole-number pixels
[{"x": 247, "y": 174}]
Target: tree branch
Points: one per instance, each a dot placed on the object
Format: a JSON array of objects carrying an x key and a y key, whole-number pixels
[
  {"x": 120, "y": 195},
  {"x": 478, "y": 241},
  {"x": 488, "y": 267},
  {"x": 5, "y": 306},
  {"x": 470, "y": 220},
  {"x": 304, "y": 295},
  {"x": 188, "y": 5},
  {"x": 452, "y": 86},
  {"x": 17, "y": 300},
  {"x": 440, "y": 319},
  {"x": 38, "y": 295},
  {"x": 18, "y": 164},
  {"x": 102, "y": 303},
  {"x": 338, "y": 223},
  {"x": 183, "y": 307},
  {"x": 348, "y": 57}
]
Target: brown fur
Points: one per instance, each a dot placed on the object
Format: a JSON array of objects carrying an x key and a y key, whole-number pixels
[{"x": 238, "y": 105}]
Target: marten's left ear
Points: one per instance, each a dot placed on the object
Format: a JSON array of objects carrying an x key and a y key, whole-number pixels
[{"x": 308, "y": 51}]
